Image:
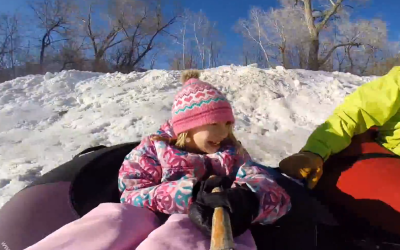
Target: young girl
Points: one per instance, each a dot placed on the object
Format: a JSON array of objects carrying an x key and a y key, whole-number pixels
[
  {"x": 162, "y": 172},
  {"x": 169, "y": 173}
]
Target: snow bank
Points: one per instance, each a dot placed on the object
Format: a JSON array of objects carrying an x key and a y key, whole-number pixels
[{"x": 46, "y": 120}]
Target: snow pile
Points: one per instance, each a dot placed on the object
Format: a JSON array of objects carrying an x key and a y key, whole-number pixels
[{"x": 46, "y": 120}]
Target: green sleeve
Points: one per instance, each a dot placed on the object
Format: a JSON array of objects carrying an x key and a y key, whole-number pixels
[{"x": 372, "y": 104}]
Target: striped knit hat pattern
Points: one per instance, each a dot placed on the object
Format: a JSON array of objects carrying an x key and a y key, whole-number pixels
[{"x": 198, "y": 103}]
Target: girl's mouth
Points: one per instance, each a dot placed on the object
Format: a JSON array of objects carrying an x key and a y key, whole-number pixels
[{"x": 216, "y": 144}]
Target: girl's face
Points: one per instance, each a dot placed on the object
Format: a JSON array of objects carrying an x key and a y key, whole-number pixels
[{"x": 208, "y": 138}]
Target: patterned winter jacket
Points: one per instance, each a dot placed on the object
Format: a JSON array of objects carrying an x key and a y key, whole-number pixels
[{"x": 161, "y": 177}]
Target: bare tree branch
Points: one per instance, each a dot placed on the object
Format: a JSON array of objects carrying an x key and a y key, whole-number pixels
[
  {"x": 89, "y": 30},
  {"x": 53, "y": 16},
  {"x": 309, "y": 19},
  {"x": 60, "y": 40},
  {"x": 329, "y": 14},
  {"x": 150, "y": 44},
  {"x": 116, "y": 43},
  {"x": 328, "y": 55}
]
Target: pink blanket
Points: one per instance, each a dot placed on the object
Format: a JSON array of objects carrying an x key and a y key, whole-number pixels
[
  {"x": 113, "y": 226},
  {"x": 180, "y": 233}
]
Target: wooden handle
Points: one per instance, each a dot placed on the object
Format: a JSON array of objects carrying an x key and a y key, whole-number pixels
[{"x": 221, "y": 231}]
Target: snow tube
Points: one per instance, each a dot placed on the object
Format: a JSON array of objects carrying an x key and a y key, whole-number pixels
[
  {"x": 362, "y": 188},
  {"x": 61, "y": 196},
  {"x": 71, "y": 190}
]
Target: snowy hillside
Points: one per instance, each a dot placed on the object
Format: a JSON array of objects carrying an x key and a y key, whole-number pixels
[{"x": 46, "y": 120}]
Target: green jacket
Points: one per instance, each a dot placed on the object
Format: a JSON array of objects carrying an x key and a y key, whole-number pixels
[{"x": 376, "y": 103}]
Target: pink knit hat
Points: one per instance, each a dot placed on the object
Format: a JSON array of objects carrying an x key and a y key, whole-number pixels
[{"x": 198, "y": 103}]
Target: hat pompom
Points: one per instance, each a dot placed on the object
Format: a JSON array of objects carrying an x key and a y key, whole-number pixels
[{"x": 189, "y": 74}]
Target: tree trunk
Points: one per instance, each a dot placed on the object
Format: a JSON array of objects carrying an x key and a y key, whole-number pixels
[
  {"x": 285, "y": 61},
  {"x": 313, "y": 63},
  {"x": 64, "y": 66},
  {"x": 350, "y": 59},
  {"x": 152, "y": 63},
  {"x": 203, "y": 59},
  {"x": 97, "y": 65},
  {"x": 266, "y": 57},
  {"x": 302, "y": 57},
  {"x": 214, "y": 58},
  {"x": 43, "y": 47},
  {"x": 210, "y": 56},
  {"x": 12, "y": 56},
  {"x": 183, "y": 45},
  {"x": 364, "y": 69}
]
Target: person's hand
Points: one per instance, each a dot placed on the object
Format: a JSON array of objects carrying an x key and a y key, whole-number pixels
[
  {"x": 223, "y": 182},
  {"x": 200, "y": 214},
  {"x": 303, "y": 165},
  {"x": 241, "y": 202}
]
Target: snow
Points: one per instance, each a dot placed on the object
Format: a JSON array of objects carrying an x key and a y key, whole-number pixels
[{"x": 47, "y": 119}]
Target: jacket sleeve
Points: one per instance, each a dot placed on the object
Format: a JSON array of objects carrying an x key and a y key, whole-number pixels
[
  {"x": 139, "y": 181},
  {"x": 274, "y": 201},
  {"x": 372, "y": 104}
]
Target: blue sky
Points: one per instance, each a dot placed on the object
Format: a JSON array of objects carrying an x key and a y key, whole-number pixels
[{"x": 227, "y": 12}]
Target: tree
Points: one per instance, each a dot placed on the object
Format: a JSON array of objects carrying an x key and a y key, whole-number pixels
[
  {"x": 154, "y": 59},
  {"x": 102, "y": 37},
  {"x": 316, "y": 21},
  {"x": 214, "y": 50},
  {"x": 364, "y": 39},
  {"x": 190, "y": 62},
  {"x": 141, "y": 33},
  {"x": 182, "y": 40},
  {"x": 276, "y": 32},
  {"x": 185, "y": 19},
  {"x": 213, "y": 45},
  {"x": 286, "y": 32},
  {"x": 71, "y": 55},
  {"x": 9, "y": 39},
  {"x": 202, "y": 31},
  {"x": 254, "y": 29},
  {"x": 54, "y": 17},
  {"x": 197, "y": 32},
  {"x": 252, "y": 53},
  {"x": 383, "y": 67},
  {"x": 297, "y": 35},
  {"x": 132, "y": 26},
  {"x": 10, "y": 46}
]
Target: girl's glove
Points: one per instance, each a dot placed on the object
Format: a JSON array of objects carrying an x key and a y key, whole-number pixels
[{"x": 241, "y": 202}]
